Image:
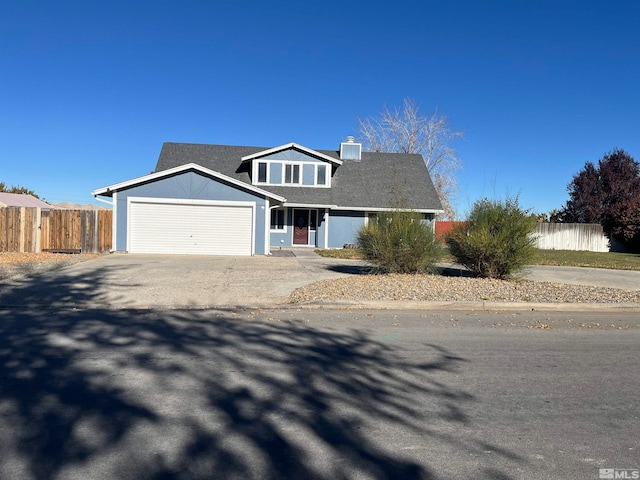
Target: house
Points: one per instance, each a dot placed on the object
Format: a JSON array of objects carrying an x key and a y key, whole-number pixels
[
  {"x": 234, "y": 200},
  {"x": 22, "y": 200}
]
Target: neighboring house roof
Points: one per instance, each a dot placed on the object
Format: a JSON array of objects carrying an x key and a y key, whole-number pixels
[
  {"x": 77, "y": 206},
  {"x": 108, "y": 191},
  {"x": 22, "y": 200},
  {"x": 369, "y": 183}
]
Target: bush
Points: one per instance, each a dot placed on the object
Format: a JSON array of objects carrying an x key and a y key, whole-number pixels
[
  {"x": 496, "y": 241},
  {"x": 398, "y": 242}
]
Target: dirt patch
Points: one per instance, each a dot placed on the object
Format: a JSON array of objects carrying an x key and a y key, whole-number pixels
[{"x": 14, "y": 264}]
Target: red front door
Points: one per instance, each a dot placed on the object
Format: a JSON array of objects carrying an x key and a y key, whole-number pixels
[{"x": 301, "y": 227}]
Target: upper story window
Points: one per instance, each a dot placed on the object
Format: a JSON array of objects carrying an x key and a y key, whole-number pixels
[
  {"x": 291, "y": 173},
  {"x": 294, "y": 174},
  {"x": 262, "y": 172},
  {"x": 321, "y": 175}
]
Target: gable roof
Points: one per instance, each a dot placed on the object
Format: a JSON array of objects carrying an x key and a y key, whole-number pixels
[
  {"x": 367, "y": 184},
  {"x": 108, "y": 191},
  {"x": 22, "y": 200},
  {"x": 294, "y": 146}
]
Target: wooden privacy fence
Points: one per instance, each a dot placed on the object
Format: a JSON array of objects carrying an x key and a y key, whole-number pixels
[
  {"x": 35, "y": 230},
  {"x": 555, "y": 236},
  {"x": 571, "y": 236},
  {"x": 443, "y": 227}
]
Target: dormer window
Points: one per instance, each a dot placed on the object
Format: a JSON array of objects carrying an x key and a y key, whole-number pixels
[
  {"x": 262, "y": 172},
  {"x": 321, "y": 177},
  {"x": 293, "y": 165},
  {"x": 292, "y": 173}
]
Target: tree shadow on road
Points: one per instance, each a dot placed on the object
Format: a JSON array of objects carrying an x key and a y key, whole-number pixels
[{"x": 100, "y": 393}]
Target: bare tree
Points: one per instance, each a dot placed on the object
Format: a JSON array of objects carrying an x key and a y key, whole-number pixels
[{"x": 407, "y": 130}]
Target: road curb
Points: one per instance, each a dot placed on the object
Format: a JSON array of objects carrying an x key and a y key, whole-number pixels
[
  {"x": 471, "y": 306},
  {"x": 343, "y": 304}
]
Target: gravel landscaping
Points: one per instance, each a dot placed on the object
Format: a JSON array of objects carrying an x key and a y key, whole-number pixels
[
  {"x": 456, "y": 289},
  {"x": 20, "y": 265}
]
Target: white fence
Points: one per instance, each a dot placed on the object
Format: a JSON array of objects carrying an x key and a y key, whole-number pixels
[{"x": 571, "y": 236}]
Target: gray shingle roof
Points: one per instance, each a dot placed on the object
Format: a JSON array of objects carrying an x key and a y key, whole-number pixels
[{"x": 368, "y": 183}]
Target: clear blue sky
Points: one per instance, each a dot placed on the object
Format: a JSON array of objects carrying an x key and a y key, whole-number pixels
[{"x": 89, "y": 90}]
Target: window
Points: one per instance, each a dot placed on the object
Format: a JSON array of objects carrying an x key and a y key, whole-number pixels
[
  {"x": 277, "y": 219},
  {"x": 292, "y": 173},
  {"x": 262, "y": 172},
  {"x": 313, "y": 220},
  {"x": 321, "y": 177}
]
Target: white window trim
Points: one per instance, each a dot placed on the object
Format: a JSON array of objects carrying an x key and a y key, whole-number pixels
[
  {"x": 326, "y": 175},
  {"x": 313, "y": 227},
  {"x": 270, "y": 181},
  {"x": 293, "y": 165},
  {"x": 258, "y": 182},
  {"x": 369, "y": 216},
  {"x": 267, "y": 218},
  {"x": 277, "y": 230}
]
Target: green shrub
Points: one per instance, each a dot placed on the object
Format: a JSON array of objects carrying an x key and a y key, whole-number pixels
[
  {"x": 496, "y": 241},
  {"x": 398, "y": 242}
]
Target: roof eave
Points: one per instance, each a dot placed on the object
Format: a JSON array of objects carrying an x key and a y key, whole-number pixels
[
  {"x": 390, "y": 209},
  {"x": 108, "y": 191}
]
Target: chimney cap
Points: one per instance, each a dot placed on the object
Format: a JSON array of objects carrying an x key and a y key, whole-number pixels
[{"x": 351, "y": 139}]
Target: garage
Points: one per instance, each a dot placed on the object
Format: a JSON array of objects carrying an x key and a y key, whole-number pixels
[{"x": 190, "y": 227}]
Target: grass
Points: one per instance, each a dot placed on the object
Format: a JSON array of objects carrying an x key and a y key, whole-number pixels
[
  {"x": 348, "y": 253},
  {"x": 570, "y": 258},
  {"x": 563, "y": 258}
]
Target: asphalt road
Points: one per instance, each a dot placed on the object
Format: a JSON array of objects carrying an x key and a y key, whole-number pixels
[{"x": 321, "y": 394}]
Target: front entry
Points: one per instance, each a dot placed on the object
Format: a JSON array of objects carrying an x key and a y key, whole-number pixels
[{"x": 301, "y": 227}]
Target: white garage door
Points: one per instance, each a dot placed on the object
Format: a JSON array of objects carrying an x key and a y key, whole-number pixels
[{"x": 185, "y": 227}]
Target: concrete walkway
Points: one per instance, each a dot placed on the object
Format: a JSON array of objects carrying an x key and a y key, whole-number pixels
[{"x": 597, "y": 277}]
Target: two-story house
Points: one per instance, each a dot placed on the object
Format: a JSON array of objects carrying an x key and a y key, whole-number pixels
[{"x": 234, "y": 200}]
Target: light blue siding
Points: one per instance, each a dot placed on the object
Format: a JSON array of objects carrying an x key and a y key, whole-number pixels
[
  {"x": 343, "y": 227},
  {"x": 322, "y": 227},
  {"x": 280, "y": 239},
  {"x": 291, "y": 155},
  {"x": 191, "y": 186}
]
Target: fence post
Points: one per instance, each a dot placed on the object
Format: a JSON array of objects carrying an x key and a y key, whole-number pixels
[
  {"x": 37, "y": 230},
  {"x": 22, "y": 231}
]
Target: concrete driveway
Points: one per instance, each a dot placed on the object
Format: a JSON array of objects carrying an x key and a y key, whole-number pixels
[
  {"x": 126, "y": 280},
  {"x": 140, "y": 281}
]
